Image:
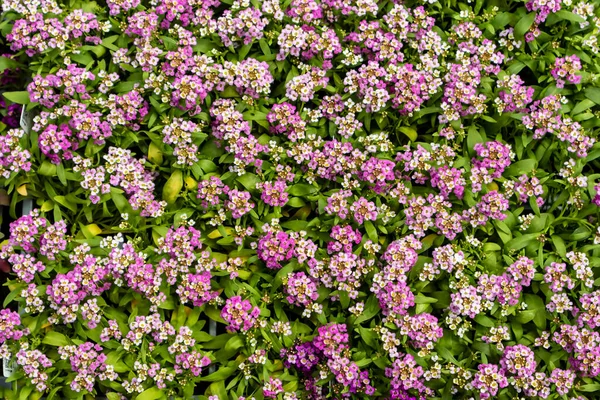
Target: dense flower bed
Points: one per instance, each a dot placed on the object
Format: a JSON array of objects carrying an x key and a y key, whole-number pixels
[{"x": 385, "y": 199}]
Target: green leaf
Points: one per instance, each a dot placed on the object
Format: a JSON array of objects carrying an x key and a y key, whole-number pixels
[
  {"x": 124, "y": 87},
  {"x": 17, "y": 97},
  {"x": 420, "y": 299},
  {"x": 62, "y": 200},
  {"x": 208, "y": 166},
  {"x": 173, "y": 186},
  {"x": 371, "y": 309},
  {"x": 7, "y": 63},
  {"x": 371, "y": 231},
  {"x": 243, "y": 51},
  {"x": 60, "y": 172},
  {"x": 517, "y": 329},
  {"x": 536, "y": 305},
  {"x": 218, "y": 342},
  {"x": 473, "y": 138},
  {"x": 249, "y": 181},
  {"x": 120, "y": 201},
  {"x": 203, "y": 46},
  {"x": 25, "y": 392},
  {"x": 47, "y": 169},
  {"x": 368, "y": 336},
  {"x": 152, "y": 393},
  {"x": 82, "y": 58},
  {"x": 490, "y": 246},
  {"x": 13, "y": 293},
  {"x": 54, "y": 338},
  {"x": 218, "y": 388},
  {"x": 582, "y": 106},
  {"x": 522, "y": 241},
  {"x": 231, "y": 348},
  {"x": 559, "y": 245},
  {"x": 563, "y": 15},
  {"x": 296, "y": 202},
  {"x": 409, "y": 132},
  {"x": 264, "y": 46},
  {"x": 523, "y": 25},
  {"x": 219, "y": 375},
  {"x": 302, "y": 189},
  {"x": 525, "y": 316},
  {"x": 53, "y": 392},
  {"x": 214, "y": 314},
  {"x": 593, "y": 94},
  {"x": 591, "y": 387},
  {"x": 521, "y": 167},
  {"x": 484, "y": 321}
]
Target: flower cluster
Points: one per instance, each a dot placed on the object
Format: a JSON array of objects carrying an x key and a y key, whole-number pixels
[{"x": 300, "y": 199}]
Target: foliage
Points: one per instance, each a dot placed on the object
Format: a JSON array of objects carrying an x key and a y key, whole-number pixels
[{"x": 370, "y": 199}]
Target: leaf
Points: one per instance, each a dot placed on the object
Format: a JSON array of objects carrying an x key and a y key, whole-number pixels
[
  {"x": 582, "y": 106},
  {"x": 60, "y": 172},
  {"x": 568, "y": 16},
  {"x": 243, "y": 51},
  {"x": 152, "y": 393},
  {"x": 248, "y": 180},
  {"x": 371, "y": 231},
  {"x": 218, "y": 341},
  {"x": 218, "y": 389},
  {"x": 523, "y": 25},
  {"x": 17, "y": 97},
  {"x": 505, "y": 235},
  {"x": 14, "y": 292},
  {"x": 484, "y": 321},
  {"x": 90, "y": 231},
  {"x": 420, "y": 299},
  {"x": 203, "y": 46},
  {"x": 536, "y": 305},
  {"x": 22, "y": 190},
  {"x": 47, "y": 206},
  {"x": 120, "y": 201},
  {"x": 521, "y": 167},
  {"x": 219, "y": 375},
  {"x": 264, "y": 46},
  {"x": 155, "y": 154},
  {"x": 490, "y": 246},
  {"x": 124, "y": 87},
  {"x": 473, "y": 138},
  {"x": 559, "y": 245},
  {"x": 368, "y": 336},
  {"x": 296, "y": 202},
  {"x": 7, "y": 63},
  {"x": 517, "y": 329},
  {"x": 522, "y": 241},
  {"x": 25, "y": 393},
  {"x": 47, "y": 169},
  {"x": 214, "y": 314},
  {"x": 591, "y": 387},
  {"x": 54, "y": 338},
  {"x": 371, "y": 309},
  {"x": 62, "y": 200},
  {"x": 593, "y": 94},
  {"x": 302, "y": 189},
  {"x": 82, "y": 58},
  {"x": 409, "y": 132},
  {"x": 53, "y": 392},
  {"x": 208, "y": 166},
  {"x": 173, "y": 186}
]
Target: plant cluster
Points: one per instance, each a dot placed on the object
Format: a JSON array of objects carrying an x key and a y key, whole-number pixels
[{"x": 372, "y": 199}]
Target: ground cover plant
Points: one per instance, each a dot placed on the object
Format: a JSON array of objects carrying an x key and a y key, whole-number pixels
[{"x": 387, "y": 200}]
